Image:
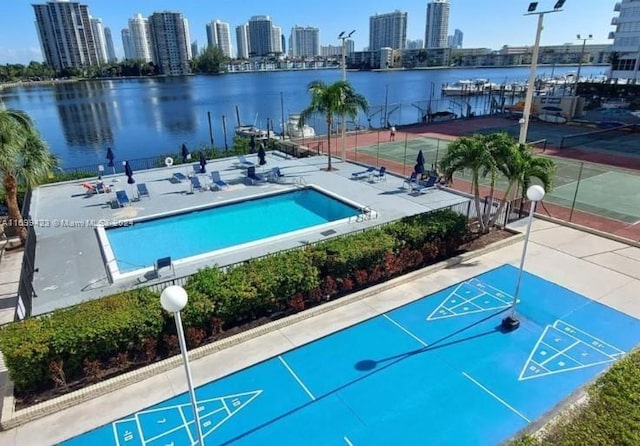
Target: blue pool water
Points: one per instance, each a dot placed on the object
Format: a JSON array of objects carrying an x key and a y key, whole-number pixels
[{"x": 198, "y": 232}]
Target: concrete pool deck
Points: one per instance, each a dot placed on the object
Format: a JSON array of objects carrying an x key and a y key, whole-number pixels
[
  {"x": 69, "y": 260},
  {"x": 598, "y": 268}
]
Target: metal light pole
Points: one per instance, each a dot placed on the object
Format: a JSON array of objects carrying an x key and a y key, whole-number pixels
[
  {"x": 524, "y": 122},
  {"x": 575, "y": 84},
  {"x": 344, "y": 36},
  {"x": 535, "y": 193},
  {"x": 174, "y": 299}
]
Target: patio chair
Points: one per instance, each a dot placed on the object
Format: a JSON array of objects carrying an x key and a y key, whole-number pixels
[
  {"x": 253, "y": 177},
  {"x": 363, "y": 173},
  {"x": 412, "y": 181},
  {"x": 122, "y": 198},
  {"x": 179, "y": 177},
  {"x": 275, "y": 175},
  {"x": 380, "y": 175},
  {"x": 217, "y": 181},
  {"x": 163, "y": 263},
  {"x": 142, "y": 190},
  {"x": 243, "y": 162},
  {"x": 195, "y": 183},
  {"x": 102, "y": 188},
  {"x": 430, "y": 184}
]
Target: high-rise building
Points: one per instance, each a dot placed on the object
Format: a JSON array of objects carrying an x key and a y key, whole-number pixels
[
  {"x": 305, "y": 41},
  {"x": 455, "y": 40},
  {"x": 66, "y": 36},
  {"x": 194, "y": 49},
  {"x": 336, "y": 50},
  {"x": 111, "y": 51},
  {"x": 260, "y": 36},
  {"x": 415, "y": 44},
  {"x": 98, "y": 36},
  {"x": 140, "y": 38},
  {"x": 276, "y": 39},
  {"x": 170, "y": 42},
  {"x": 388, "y": 31},
  {"x": 437, "y": 28},
  {"x": 127, "y": 44},
  {"x": 626, "y": 41},
  {"x": 242, "y": 41},
  {"x": 218, "y": 35}
]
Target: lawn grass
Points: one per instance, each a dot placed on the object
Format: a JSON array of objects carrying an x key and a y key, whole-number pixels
[{"x": 611, "y": 417}]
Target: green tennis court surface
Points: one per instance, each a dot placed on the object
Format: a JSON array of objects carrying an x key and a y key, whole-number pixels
[{"x": 601, "y": 190}]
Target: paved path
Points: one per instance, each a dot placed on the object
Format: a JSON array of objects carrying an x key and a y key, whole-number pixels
[{"x": 597, "y": 268}]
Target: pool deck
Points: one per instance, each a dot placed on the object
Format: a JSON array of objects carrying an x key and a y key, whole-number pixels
[
  {"x": 69, "y": 260},
  {"x": 600, "y": 269}
]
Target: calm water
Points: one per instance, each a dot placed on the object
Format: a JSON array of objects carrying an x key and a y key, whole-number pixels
[
  {"x": 223, "y": 226},
  {"x": 147, "y": 117}
]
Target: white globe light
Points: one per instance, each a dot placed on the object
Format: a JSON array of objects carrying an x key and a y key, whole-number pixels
[
  {"x": 173, "y": 298},
  {"x": 535, "y": 193}
]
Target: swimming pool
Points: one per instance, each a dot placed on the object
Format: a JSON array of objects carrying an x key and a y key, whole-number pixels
[{"x": 190, "y": 234}]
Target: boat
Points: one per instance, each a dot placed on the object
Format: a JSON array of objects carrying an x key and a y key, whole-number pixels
[
  {"x": 551, "y": 113},
  {"x": 615, "y": 103},
  {"x": 293, "y": 130}
]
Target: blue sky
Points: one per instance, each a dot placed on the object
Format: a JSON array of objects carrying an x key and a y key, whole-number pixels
[{"x": 485, "y": 23}]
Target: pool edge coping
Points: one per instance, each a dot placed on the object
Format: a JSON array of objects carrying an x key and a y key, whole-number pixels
[{"x": 10, "y": 418}]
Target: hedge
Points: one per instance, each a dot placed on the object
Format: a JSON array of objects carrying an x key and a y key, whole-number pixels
[
  {"x": 91, "y": 330},
  {"x": 78, "y": 342}
]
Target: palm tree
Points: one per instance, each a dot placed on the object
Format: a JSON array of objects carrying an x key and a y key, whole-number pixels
[
  {"x": 469, "y": 153},
  {"x": 24, "y": 160},
  {"x": 337, "y": 99}
]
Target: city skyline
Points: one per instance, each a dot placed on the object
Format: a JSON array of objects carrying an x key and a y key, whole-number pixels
[{"x": 586, "y": 17}]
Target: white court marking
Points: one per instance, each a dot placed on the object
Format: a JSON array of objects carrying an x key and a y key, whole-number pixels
[
  {"x": 153, "y": 418},
  {"x": 470, "y": 297},
  {"x": 406, "y": 331},
  {"x": 305, "y": 388},
  {"x": 503, "y": 402},
  {"x": 562, "y": 347},
  {"x": 346, "y": 440}
]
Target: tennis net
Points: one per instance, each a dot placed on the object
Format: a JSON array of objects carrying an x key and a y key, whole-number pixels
[{"x": 577, "y": 139}]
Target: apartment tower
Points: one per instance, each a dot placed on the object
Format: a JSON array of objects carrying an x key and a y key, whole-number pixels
[
  {"x": 437, "y": 28},
  {"x": 170, "y": 42},
  {"x": 218, "y": 35},
  {"x": 388, "y": 31},
  {"x": 66, "y": 35}
]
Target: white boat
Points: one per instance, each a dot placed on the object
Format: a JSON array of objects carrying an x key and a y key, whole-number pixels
[
  {"x": 615, "y": 103},
  {"x": 551, "y": 113},
  {"x": 293, "y": 130}
]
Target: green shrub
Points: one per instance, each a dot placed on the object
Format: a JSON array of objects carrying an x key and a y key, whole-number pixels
[{"x": 92, "y": 330}]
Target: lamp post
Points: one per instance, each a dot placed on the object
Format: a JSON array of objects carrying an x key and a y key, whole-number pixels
[
  {"x": 524, "y": 125},
  {"x": 575, "y": 84},
  {"x": 174, "y": 299},
  {"x": 344, "y": 36},
  {"x": 535, "y": 194}
]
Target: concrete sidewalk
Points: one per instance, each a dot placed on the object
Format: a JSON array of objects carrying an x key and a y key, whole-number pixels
[{"x": 598, "y": 268}]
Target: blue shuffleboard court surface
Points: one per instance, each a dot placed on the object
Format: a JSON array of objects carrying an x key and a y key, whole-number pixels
[{"x": 436, "y": 371}]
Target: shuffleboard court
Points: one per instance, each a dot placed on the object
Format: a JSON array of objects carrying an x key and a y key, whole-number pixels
[{"x": 436, "y": 371}]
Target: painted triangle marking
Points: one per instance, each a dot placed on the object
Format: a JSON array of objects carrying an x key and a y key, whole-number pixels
[
  {"x": 176, "y": 424},
  {"x": 472, "y": 296},
  {"x": 562, "y": 347}
]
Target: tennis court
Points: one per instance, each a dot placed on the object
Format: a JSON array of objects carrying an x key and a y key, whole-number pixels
[
  {"x": 601, "y": 190},
  {"x": 436, "y": 371}
]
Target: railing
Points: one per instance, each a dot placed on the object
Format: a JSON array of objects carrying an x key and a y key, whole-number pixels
[{"x": 26, "y": 293}]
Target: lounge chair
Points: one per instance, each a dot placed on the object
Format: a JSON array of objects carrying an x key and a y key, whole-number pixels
[
  {"x": 195, "y": 183},
  {"x": 243, "y": 162},
  {"x": 142, "y": 190},
  {"x": 275, "y": 175},
  {"x": 412, "y": 181},
  {"x": 380, "y": 175},
  {"x": 217, "y": 181},
  {"x": 363, "y": 173},
  {"x": 123, "y": 198},
  {"x": 102, "y": 188},
  {"x": 180, "y": 177},
  {"x": 163, "y": 263},
  {"x": 427, "y": 186},
  {"x": 253, "y": 177}
]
